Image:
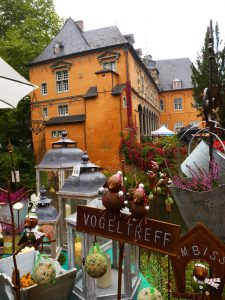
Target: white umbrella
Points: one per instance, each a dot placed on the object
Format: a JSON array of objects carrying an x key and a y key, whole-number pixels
[
  {"x": 162, "y": 131},
  {"x": 13, "y": 86}
]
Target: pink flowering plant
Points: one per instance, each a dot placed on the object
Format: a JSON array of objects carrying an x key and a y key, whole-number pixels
[{"x": 201, "y": 180}]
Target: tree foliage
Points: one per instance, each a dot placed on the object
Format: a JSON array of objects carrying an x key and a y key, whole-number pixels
[
  {"x": 26, "y": 27},
  {"x": 200, "y": 72}
]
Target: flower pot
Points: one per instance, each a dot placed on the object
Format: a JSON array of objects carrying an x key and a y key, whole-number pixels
[{"x": 205, "y": 207}]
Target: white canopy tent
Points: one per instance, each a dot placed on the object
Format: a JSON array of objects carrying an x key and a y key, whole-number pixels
[
  {"x": 162, "y": 131},
  {"x": 13, "y": 86}
]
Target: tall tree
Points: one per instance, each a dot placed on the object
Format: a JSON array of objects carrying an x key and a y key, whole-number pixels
[
  {"x": 200, "y": 73},
  {"x": 26, "y": 27}
]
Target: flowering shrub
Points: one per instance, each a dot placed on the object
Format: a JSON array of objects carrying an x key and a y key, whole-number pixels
[
  {"x": 141, "y": 154},
  {"x": 201, "y": 180}
]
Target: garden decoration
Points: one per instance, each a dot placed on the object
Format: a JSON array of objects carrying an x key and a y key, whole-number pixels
[
  {"x": 44, "y": 270},
  {"x": 31, "y": 233},
  {"x": 200, "y": 280},
  {"x": 96, "y": 262},
  {"x": 152, "y": 234},
  {"x": 138, "y": 205},
  {"x": 149, "y": 293},
  {"x": 199, "y": 198},
  {"x": 113, "y": 197},
  {"x": 201, "y": 246}
]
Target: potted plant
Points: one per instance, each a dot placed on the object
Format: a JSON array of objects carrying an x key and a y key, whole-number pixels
[{"x": 200, "y": 198}]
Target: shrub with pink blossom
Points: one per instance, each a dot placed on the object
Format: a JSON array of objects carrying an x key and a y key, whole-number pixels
[{"x": 201, "y": 179}]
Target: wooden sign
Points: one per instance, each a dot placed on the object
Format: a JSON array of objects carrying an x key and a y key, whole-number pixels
[
  {"x": 199, "y": 244},
  {"x": 156, "y": 235}
]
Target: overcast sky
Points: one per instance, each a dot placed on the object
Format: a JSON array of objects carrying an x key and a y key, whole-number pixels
[{"x": 162, "y": 28}]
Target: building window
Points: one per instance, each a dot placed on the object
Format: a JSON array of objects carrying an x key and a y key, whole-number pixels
[
  {"x": 194, "y": 123},
  {"x": 62, "y": 84},
  {"x": 44, "y": 89},
  {"x": 57, "y": 133},
  {"x": 111, "y": 65},
  {"x": 63, "y": 110},
  {"x": 45, "y": 112},
  {"x": 178, "y": 126},
  {"x": 58, "y": 47},
  {"x": 161, "y": 105},
  {"x": 177, "y": 103},
  {"x": 177, "y": 84}
]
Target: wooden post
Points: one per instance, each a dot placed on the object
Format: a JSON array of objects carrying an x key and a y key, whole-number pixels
[{"x": 121, "y": 249}]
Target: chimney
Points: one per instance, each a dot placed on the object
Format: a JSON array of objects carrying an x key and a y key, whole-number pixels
[{"x": 80, "y": 24}]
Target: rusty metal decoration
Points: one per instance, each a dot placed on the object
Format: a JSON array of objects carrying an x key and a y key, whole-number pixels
[
  {"x": 199, "y": 244},
  {"x": 210, "y": 109},
  {"x": 155, "y": 235}
]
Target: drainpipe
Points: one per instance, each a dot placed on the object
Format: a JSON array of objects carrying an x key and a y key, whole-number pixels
[{"x": 85, "y": 126}]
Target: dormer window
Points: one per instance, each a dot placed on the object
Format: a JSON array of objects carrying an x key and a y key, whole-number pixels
[
  {"x": 177, "y": 84},
  {"x": 58, "y": 47},
  {"x": 108, "y": 60}
]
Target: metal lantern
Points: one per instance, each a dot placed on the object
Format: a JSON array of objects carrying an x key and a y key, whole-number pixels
[
  {"x": 48, "y": 219},
  {"x": 105, "y": 287},
  {"x": 79, "y": 188},
  {"x": 56, "y": 165}
]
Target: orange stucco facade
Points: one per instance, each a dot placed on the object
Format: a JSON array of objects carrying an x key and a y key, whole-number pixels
[
  {"x": 178, "y": 114},
  {"x": 104, "y": 115}
]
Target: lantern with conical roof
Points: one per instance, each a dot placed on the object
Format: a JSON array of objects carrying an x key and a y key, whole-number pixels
[
  {"x": 56, "y": 165},
  {"x": 48, "y": 220},
  {"x": 80, "y": 188}
]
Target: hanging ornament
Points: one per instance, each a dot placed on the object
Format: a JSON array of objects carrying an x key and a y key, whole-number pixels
[{"x": 96, "y": 262}]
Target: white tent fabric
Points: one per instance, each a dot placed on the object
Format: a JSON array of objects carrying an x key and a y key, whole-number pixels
[
  {"x": 162, "y": 131},
  {"x": 13, "y": 86}
]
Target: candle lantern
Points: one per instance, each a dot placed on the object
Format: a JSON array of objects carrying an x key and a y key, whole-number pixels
[
  {"x": 79, "y": 189},
  {"x": 48, "y": 220},
  {"x": 56, "y": 165},
  {"x": 104, "y": 287}
]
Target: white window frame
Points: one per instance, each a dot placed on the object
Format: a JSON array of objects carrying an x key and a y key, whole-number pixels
[
  {"x": 62, "y": 81},
  {"x": 45, "y": 112},
  {"x": 177, "y": 84},
  {"x": 177, "y": 103},
  {"x": 44, "y": 89},
  {"x": 63, "y": 110},
  {"x": 194, "y": 123},
  {"x": 177, "y": 126},
  {"x": 161, "y": 105},
  {"x": 109, "y": 65},
  {"x": 56, "y": 133}
]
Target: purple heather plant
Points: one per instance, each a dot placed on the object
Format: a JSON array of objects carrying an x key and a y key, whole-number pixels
[{"x": 201, "y": 180}]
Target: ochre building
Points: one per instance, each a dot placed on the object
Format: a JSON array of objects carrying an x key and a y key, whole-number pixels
[{"x": 95, "y": 85}]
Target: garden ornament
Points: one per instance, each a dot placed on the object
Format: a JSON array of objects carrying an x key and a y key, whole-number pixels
[
  {"x": 31, "y": 232},
  {"x": 200, "y": 280},
  {"x": 113, "y": 197},
  {"x": 139, "y": 204}
]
